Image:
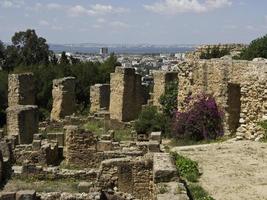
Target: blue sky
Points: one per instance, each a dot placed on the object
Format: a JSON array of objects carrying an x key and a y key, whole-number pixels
[{"x": 136, "y": 21}]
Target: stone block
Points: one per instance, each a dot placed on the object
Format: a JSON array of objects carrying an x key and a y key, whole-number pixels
[
  {"x": 84, "y": 187},
  {"x": 36, "y": 145},
  {"x": 156, "y": 136},
  {"x": 26, "y": 195},
  {"x": 23, "y": 122},
  {"x": 8, "y": 195},
  {"x": 164, "y": 169},
  {"x": 104, "y": 145},
  {"x": 99, "y": 97},
  {"x": 1, "y": 133},
  {"x": 59, "y": 137},
  {"x": 153, "y": 146}
]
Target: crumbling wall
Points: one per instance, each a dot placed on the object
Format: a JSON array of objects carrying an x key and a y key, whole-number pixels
[
  {"x": 1, "y": 168},
  {"x": 99, "y": 97},
  {"x": 222, "y": 78},
  {"x": 161, "y": 80},
  {"x": 126, "y": 96},
  {"x": 63, "y": 98},
  {"x": 21, "y": 89},
  {"x": 133, "y": 176},
  {"x": 22, "y": 122}
]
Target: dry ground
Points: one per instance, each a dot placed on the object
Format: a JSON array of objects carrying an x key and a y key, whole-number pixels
[{"x": 232, "y": 170}]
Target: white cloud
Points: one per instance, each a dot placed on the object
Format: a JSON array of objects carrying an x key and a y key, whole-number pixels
[
  {"x": 182, "y": 6},
  {"x": 11, "y": 3},
  {"x": 97, "y": 9},
  {"x": 53, "y": 6},
  {"x": 44, "y": 23},
  {"x": 101, "y": 20},
  {"x": 118, "y": 24}
]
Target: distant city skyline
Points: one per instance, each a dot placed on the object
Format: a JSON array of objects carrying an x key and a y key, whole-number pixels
[{"x": 136, "y": 22}]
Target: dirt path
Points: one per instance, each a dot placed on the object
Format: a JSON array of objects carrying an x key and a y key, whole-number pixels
[{"x": 233, "y": 170}]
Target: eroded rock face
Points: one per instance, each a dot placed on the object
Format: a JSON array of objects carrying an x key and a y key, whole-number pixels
[
  {"x": 1, "y": 168},
  {"x": 22, "y": 122},
  {"x": 21, "y": 89},
  {"x": 63, "y": 98}
]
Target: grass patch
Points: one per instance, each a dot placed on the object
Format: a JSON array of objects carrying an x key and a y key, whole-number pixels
[
  {"x": 62, "y": 185},
  {"x": 123, "y": 134},
  {"x": 96, "y": 127},
  {"x": 198, "y": 193},
  {"x": 187, "y": 168},
  {"x": 264, "y": 126}
]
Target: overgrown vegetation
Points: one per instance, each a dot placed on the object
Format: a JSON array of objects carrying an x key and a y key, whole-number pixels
[
  {"x": 264, "y": 126},
  {"x": 188, "y": 170},
  {"x": 201, "y": 120},
  {"x": 214, "y": 52},
  {"x": 30, "y": 53},
  {"x": 256, "y": 49}
]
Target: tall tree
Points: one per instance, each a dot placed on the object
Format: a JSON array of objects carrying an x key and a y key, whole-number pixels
[
  {"x": 2, "y": 54},
  {"x": 64, "y": 59},
  {"x": 30, "y": 48}
]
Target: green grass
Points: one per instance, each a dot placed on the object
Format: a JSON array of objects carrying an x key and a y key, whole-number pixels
[
  {"x": 198, "y": 193},
  {"x": 97, "y": 127},
  {"x": 264, "y": 126},
  {"x": 187, "y": 168}
]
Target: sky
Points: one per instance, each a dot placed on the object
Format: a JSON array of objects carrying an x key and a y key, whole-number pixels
[{"x": 136, "y": 21}]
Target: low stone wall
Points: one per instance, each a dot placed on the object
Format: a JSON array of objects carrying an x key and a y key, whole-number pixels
[{"x": 22, "y": 122}]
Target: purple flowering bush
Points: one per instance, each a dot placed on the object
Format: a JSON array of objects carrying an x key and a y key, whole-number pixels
[{"x": 201, "y": 120}]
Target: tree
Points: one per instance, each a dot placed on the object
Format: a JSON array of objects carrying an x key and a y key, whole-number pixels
[
  {"x": 214, "y": 52},
  {"x": 30, "y": 48},
  {"x": 2, "y": 54},
  {"x": 64, "y": 59},
  {"x": 256, "y": 49}
]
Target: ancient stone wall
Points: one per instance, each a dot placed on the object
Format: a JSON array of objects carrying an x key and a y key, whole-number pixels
[
  {"x": 99, "y": 97},
  {"x": 21, "y": 89},
  {"x": 238, "y": 86},
  {"x": 22, "y": 122},
  {"x": 161, "y": 79},
  {"x": 133, "y": 176},
  {"x": 1, "y": 168},
  {"x": 126, "y": 96},
  {"x": 63, "y": 98}
]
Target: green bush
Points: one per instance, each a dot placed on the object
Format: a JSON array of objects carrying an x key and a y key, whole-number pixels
[
  {"x": 151, "y": 120},
  {"x": 186, "y": 168},
  {"x": 214, "y": 52},
  {"x": 198, "y": 193}
]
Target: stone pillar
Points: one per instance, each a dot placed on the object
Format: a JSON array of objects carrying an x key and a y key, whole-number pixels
[
  {"x": 125, "y": 89},
  {"x": 99, "y": 97},
  {"x": 21, "y": 89},
  {"x": 22, "y": 121},
  {"x": 63, "y": 98},
  {"x": 161, "y": 79}
]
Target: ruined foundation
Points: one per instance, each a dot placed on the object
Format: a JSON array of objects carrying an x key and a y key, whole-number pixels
[
  {"x": 63, "y": 98},
  {"x": 99, "y": 97},
  {"x": 22, "y": 122}
]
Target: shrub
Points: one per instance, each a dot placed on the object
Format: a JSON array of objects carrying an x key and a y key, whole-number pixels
[
  {"x": 214, "y": 52},
  {"x": 202, "y": 119},
  {"x": 186, "y": 168},
  {"x": 150, "y": 120},
  {"x": 198, "y": 193},
  {"x": 169, "y": 99}
]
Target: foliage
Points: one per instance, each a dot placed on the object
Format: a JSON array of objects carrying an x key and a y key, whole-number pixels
[
  {"x": 186, "y": 168},
  {"x": 169, "y": 99},
  {"x": 202, "y": 119},
  {"x": 256, "y": 49},
  {"x": 198, "y": 193},
  {"x": 151, "y": 120},
  {"x": 214, "y": 52},
  {"x": 3, "y": 97},
  {"x": 264, "y": 126},
  {"x": 64, "y": 59}
]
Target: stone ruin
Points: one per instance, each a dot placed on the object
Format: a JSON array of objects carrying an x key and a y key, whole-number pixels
[
  {"x": 63, "y": 93},
  {"x": 127, "y": 94},
  {"x": 238, "y": 86},
  {"x": 99, "y": 97}
]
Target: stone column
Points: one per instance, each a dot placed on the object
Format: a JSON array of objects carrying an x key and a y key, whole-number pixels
[
  {"x": 22, "y": 121},
  {"x": 21, "y": 89},
  {"x": 99, "y": 97},
  {"x": 63, "y": 98}
]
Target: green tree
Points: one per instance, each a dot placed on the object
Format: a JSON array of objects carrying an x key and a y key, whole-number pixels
[
  {"x": 64, "y": 59},
  {"x": 256, "y": 49},
  {"x": 30, "y": 48},
  {"x": 2, "y": 54},
  {"x": 214, "y": 52}
]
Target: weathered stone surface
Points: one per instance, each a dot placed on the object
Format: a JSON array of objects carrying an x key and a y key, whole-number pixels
[
  {"x": 84, "y": 187},
  {"x": 22, "y": 121},
  {"x": 161, "y": 80},
  {"x": 104, "y": 145},
  {"x": 8, "y": 196},
  {"x": 156, "y": 136},
  {"x": 153, "y": 146},
  {"x": 26, "y": 195},
  {"x": 99, "y": 97},
  {"x": 171, "y": 191},
  {"x": 63, "y": 98},
  {"x": 126, "y": 97},
  {"x": 21, "y": 89},
  {"x": 163, "y": 168},
  {"x": 1, "y": 168},
  {"x": 58, "y": 137}
]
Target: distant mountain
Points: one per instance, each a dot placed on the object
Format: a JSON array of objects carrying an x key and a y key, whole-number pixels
[{"x": 122, "y": 48}]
